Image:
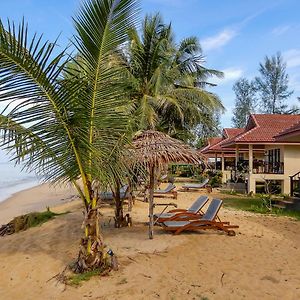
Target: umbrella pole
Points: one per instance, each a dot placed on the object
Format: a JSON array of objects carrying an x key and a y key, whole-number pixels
[{"x": 151, "y": 206}]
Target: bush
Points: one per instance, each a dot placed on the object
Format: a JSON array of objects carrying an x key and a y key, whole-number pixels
[{"x": 215, "y": 178}]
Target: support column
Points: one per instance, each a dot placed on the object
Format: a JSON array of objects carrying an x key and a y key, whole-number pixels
[
  {"x": 251, "y": 184},
  {"x": 216, "y": 158},
  {"x": 250, "y": 159},
  {"x": 222, "y": 163},
  {"x": 286, "y": 186},
  {"x": 236, "y": 156},
  {"x": 224, "y": 176}
]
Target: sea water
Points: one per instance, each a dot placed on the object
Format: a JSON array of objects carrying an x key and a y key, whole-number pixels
[{"x": 13, "y": 179}]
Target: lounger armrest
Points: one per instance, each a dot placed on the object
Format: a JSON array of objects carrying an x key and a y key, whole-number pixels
[
  {"x": 177, "y": 210},
  {"x": 187, "y": 215}
]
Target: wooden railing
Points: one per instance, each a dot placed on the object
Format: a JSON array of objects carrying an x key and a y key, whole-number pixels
[{"x": 269, "y": 168}]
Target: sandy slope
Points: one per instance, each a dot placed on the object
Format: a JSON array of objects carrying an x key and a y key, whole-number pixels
[
  {"x": 261, "y": 262},
  {"x": 35, "y": 199}
]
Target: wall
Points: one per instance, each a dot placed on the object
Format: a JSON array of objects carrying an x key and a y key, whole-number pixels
[{"x": 290, "y": 156}]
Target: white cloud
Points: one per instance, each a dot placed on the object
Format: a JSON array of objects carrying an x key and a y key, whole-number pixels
[
  {"x": 280, "y": 30},
  {"x": 292, "y": 58},
  {"x": 230, "y": 74},
  {"x": 218, "y": 40}
]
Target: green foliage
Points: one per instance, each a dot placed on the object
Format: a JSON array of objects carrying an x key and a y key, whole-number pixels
[
  {"x": 231, "y": 192},
  {"x": 77, "y": 279},
  {"x": 65, "y": 116},
  {"x": 245, "y": 101},
  {"x": 209, "y": 127},
  {"x": 38, "y": 218},
  {"x": 266, "y": 201},
  {"x": 166, "y": 81},
  {"x": 215, "y": 178},
  {"x": 24, "y": 222},
  {"x": 272, "y": 85}
]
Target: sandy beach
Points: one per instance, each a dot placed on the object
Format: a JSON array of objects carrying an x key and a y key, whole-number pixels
[{"x": 260, "y": 262}]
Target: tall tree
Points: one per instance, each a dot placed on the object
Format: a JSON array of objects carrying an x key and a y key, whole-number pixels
[
  {"x": 68, "y": 123},
  {"x": 210, "y": 128},
  {"x": 245, "y": 101},
  {"x": 167, "y": 80},
  {"x": 272, "y": 85}
]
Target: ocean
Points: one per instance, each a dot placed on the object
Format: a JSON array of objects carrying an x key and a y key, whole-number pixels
[{"x": 13, "y": 179}]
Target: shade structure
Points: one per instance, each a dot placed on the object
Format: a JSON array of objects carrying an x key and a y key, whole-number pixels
[{"x": 155, "y": 149}]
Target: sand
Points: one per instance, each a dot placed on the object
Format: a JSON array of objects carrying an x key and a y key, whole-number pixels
[{"x": 260, "y": 262}]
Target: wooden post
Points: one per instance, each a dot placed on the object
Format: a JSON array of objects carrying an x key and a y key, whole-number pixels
[{"x": 151, "y": 206}]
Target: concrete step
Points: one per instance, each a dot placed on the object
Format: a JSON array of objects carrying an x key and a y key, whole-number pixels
[
  {"x": 279, "y": 206},
  {"x": 287, "y": 201}
]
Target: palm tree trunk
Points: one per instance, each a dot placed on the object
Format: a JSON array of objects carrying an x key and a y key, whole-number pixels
[
  {"x": 119, "y": 218},
  {"x": 92, "y": 253}
]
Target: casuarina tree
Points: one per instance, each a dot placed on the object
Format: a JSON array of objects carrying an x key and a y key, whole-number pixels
[
  {"x": 272, "y": 85},
  {"x": 245, "y": 101}
]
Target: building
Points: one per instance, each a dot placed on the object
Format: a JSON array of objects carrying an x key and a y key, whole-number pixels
[
  {"x": 268, "y": 149},
  {"x": 220, "y": 158}
]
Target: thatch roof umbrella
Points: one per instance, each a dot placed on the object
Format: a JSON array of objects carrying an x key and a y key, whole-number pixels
[{"x": 155, "y": 149}]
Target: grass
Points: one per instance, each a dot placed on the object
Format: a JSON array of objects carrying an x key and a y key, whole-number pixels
[
  {"x": 29, "y": 220},
  {"x": 38, "y": 218},
  {"x": 255, "y": 204},
  {"x": 77, "y": 279}
]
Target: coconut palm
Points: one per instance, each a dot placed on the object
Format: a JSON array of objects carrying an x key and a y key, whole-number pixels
[
  {"x": 167, "y": 81},
  {"x": 65, "y": 117}
]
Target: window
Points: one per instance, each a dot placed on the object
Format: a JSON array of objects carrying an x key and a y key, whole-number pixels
[
  {"x": 274, "y": 165},
  {"x": 274, "y": 156}
]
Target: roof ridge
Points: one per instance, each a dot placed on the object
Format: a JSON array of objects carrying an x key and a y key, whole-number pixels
[
  {"x": 249, "y": 131},
  {"x": 291, "y": 129}
]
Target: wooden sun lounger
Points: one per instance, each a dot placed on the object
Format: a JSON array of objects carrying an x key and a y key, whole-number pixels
[
  {"x": 109, "y": 195},
  {"x": 209, "y": 220},
  {"x": 183, "y": 214},
  {"x": 168, "y": 191},
  {"x": 196, "y": 186}
]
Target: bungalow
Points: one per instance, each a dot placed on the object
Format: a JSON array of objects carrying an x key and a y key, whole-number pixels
[
  {"x": 292, "y": 134},
  {"x": 269, "y": 146},
  {"x": 223, "y": 158}
]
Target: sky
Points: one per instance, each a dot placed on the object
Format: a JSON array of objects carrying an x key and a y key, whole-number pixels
[{"x": 235, "y": 35}]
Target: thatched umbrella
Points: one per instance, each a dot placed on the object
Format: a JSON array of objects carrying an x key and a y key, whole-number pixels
[{"x": 155, "y": 149}]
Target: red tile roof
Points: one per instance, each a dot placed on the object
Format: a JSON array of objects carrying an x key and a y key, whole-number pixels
[
  {"x": 214, "y": 144},
  {"x": 232, "y": 132},
  {"x": 261, "y": 128},
  {"x": 289, "y": 132},
  {"x": 228, "y": 133},
  {"x": 211, "y": 141}
]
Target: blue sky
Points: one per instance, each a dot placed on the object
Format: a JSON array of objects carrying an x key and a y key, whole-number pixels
[{"x": 235, "y": 35}]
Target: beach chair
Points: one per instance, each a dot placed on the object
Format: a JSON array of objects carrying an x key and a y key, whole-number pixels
[
  {"x": 124, "y": 193},
  {"x": 168, "y": 191},
  {"x": 183, "y": 214},
  {"x": 209, "y": 220},
  {"x": 195, "y": 186}
]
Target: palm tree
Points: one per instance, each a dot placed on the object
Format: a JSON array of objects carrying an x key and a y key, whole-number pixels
[
  {"x": 167, "y": 81},
  {"x": 65, "y": 117}
]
